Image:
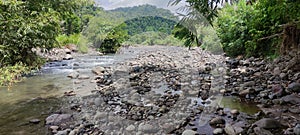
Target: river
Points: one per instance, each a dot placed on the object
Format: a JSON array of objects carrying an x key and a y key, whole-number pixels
[{"x": 42, "y": 94}]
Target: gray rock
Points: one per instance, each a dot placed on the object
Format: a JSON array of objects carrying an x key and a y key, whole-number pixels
[
  {"x": 261, "y": 131},
  {"x": 189, "y": 132},
  {"x": 297, "y": 129},
  {"x": 130, "y": 128},
  {"x": 276, "y": 71},
  {"x": 56, "y": 119},
  {"x": 229, "y": 130},
  {"x": 98, "y": 70},
  {"x": 294, "y": 87},
  {"x": 64, "y": 132},
  {"x": 98, "y": 101},
  {"x": 267, "y": 123},
  {"x": 248, "y": 84},
  {"x": 147, "y": 128},
  {"x": 292, "y": 99},
  {"x": 218, "y": 131},
  {"x": 73, "y": 75}
]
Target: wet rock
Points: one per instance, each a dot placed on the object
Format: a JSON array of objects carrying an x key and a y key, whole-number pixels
[
  {"x": 294, "y": 87},
  {"x": 35, "y": 121},
  {"x": 218, "y": 131},
  {"x": 261, "y": 131},
  {"x": 189, "y": 132},
  {"x": 292, "y": 99},
  {"x": 267, "y": 123},
  {"x": 56, "y": 119},
  {"x": 98, "y": 70},
  {"x": 73, "y": 75},
  {"x": 216, "y": 121}
]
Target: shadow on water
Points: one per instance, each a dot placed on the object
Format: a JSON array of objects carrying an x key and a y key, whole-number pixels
[{"x": 14, "y": 118}]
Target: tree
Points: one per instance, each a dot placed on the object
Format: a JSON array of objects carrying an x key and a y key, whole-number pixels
[{"x": 29, "y": 24}]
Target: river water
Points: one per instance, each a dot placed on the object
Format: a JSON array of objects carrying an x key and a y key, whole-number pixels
[{"x": 42, "y": 94}]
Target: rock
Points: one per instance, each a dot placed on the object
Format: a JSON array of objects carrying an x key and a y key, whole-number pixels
[
  {"x": 261, "y": 131},
  {"x": 98, "y": 70},
  {"x": 64, "y": 132},
  {"x": 82, "y": 77},
  {"x": 147, "y": 128},
  {"x": 35, "y": 121},
  {"x": 73, "y": 75},
  {"x": 53, "y": 127},
  {"x": 276, "y": 71},
  {"x": 100, "y": 115},
  {"x": 217, "y": 120},
  {"x": 294, "y": 87},
  {"x": 297, "y": 129},
  {"x": 244, "y": 92},
  {"x": 277, "y": 90},
  {"x": 218, "y": 131},
  {"x": 292, "y": 99},
  {"x": 56, "y": 119},
  {"x": 294, "y": 110},
  {"x": 68, "y": 57},
  {"x": 235, "y": 112},
  {"x": 130, "y": 128},
  {"x": 98, "y": 101},
  {"x": 267, "y": 123},
  {"x": 189, "y": 132},
  {"x": 248, "y": 84},
  {"x": 229, "y": 130}
]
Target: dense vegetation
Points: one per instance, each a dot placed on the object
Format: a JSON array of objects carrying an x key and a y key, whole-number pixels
[
  {"x": 109, "y": 29},
  {"x": 29, "y": 24},
  {"x": 250, "y": 28}
]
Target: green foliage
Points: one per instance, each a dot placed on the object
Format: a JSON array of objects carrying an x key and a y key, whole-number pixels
[
  {"x": 114, "y": 39},
  {"x": 183, "y": 33},
  {"x": 29, "y": 24},
  {"x": 153, "y": 38},
  {"x": 232, "y": 29},
  {"x": 149, "y": 23},
  {"x": 129, "y": 13},
  {"x": 108, "y": 29},
  {"x": 12, "y": 74},
  {"x": 249, "y": 30},
  {"x": 77, "y": 39}
]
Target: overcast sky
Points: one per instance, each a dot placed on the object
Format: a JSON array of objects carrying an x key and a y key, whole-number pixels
[{"x": 112, "y": 4}]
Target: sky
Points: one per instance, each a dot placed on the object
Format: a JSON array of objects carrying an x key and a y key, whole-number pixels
[{"x": 112, "y": 4}]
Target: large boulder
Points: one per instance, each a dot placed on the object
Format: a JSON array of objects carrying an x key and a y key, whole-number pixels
[{"x": 267, "y": 123}]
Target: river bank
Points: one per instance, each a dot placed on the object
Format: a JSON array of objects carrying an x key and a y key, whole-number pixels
[{"x": 171, "y": 90}]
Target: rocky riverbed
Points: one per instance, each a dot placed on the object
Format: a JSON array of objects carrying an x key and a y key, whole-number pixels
[{"x": 172, "y": 90}]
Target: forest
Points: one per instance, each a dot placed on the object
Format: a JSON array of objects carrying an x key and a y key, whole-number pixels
[{"x": 248, "y": 28}]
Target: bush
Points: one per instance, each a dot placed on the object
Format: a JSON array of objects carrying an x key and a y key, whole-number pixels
[
  {"x": 254, "y": 30},
  {"x": 12, "y": 74},
  {"x": 232, "y": 27}
]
